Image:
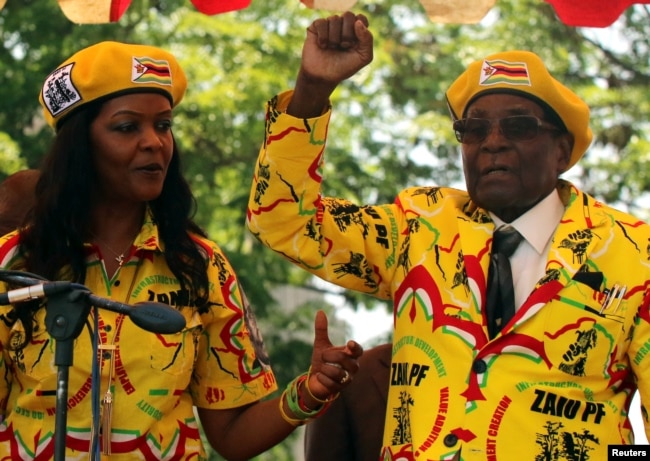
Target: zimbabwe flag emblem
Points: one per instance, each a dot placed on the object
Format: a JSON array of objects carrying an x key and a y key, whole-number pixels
[
  {"x": 504, "y": 72},
  {"x": 147, "y": 70}
]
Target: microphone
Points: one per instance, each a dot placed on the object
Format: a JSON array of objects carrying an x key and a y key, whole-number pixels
[
  {"x": 21, "y": 278},
  {"x": 153, "y": 317},
  {"x": 37, "y": 291}
]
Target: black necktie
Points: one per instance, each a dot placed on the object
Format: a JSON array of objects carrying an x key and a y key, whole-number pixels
[{"x": 500, "y": 298}]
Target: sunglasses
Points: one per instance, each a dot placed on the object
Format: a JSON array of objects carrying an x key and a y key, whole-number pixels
[{"x": 514, "y": 128}]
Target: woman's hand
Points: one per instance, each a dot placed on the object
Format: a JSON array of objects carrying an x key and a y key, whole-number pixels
[{"x": 332, "y": 367}]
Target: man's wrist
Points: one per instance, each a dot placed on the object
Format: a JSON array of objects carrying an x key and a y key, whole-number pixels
[{"x": 310, "y": 98}]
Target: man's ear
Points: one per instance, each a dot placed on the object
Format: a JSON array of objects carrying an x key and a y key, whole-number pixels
[{"x": 565, "y": 147}]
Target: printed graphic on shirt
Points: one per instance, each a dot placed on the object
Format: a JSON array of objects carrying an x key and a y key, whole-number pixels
[
  {"x": 460, "y": 276},
  {"x": 356, "y": 266},
  {"x": 403, "y": 258},
  {"x": 558, "y": 444},
  {"x": 550, "y": 403},
  {"x": 402, "y": 415},
  {"x": 495, "y": 425},
  {"x": 417, "y": 364},
  {"x": 578, "y": 242},
  {"x": 576, "y": 356},
  {"x": 431, "y": 193}
]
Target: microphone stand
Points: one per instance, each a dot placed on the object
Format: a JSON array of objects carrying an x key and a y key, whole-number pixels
[
  {"x": 65, "y": 316},
  {"x": 64, "y": 319}
]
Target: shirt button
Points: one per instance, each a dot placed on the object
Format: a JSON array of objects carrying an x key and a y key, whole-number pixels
[
  {"x": 479, "y": 366},
  {"x": 117, "y": 283},
  {"x": 450, "y": 440}
]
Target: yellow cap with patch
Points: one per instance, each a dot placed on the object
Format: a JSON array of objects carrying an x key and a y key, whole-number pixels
[
  {"x": 109, "y": 69},
  {"x": 523, "y": 73}
]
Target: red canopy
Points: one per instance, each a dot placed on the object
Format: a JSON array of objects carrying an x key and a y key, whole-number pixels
[
  {"x": 211, "y": 7},
  {"x": 591, "y": 13}
]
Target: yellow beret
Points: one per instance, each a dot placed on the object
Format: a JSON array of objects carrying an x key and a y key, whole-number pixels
[
  {"x": 523, "y": 73},
  {"x": 109, "y": 69}
]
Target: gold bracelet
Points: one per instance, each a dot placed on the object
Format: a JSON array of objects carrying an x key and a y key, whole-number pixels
[
  {"x": 293, "y": 422},
  {"x": 331, "y": 398}
]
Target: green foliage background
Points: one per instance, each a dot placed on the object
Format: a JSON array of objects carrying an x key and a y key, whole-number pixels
[{"x": 390, "y": 127}]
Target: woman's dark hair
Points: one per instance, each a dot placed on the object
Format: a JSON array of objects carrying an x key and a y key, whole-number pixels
[{"x": 52, "y": 244}]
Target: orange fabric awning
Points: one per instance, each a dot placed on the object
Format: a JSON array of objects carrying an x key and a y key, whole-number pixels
[
  {"x": 104, "y": 11},
  {"x": 93, "y": 11},
  {"x": 577, "y": 13},
  {"x": 458, "y": 11},
  {"x": 331, "y": 5}
]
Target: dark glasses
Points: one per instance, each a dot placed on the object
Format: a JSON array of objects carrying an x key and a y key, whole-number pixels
[{"x": 514, "y": 128}]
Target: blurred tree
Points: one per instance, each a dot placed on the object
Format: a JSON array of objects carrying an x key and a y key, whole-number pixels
[{"x": 390, "y": 127}]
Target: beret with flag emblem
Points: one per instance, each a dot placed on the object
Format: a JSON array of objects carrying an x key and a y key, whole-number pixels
[
  {"x": 523, "y": 73},
  {"x": 106, "y": 70}
]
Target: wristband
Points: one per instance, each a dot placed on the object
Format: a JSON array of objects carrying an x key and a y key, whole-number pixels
[
  {"x": 293, "y": 422},
  {"x": 330, "y": 399}
]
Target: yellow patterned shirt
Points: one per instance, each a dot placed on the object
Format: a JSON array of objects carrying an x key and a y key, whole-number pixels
[
  {"x": 217, "y": 362},
  {"x": 555, "y": 384}
]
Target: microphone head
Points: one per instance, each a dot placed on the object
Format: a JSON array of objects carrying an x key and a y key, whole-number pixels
[{"x": 157, "y": 317}]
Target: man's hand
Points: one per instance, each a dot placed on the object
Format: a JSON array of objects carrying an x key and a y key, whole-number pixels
[{"x": 335, "y": 49}]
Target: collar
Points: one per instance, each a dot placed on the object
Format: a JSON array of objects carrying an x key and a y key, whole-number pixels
[
  {"x": 538, "y": 224},
  {"x": 148, "y": 238}
]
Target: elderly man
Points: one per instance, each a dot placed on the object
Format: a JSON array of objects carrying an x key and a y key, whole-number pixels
[{"x": 489, "y": 361}]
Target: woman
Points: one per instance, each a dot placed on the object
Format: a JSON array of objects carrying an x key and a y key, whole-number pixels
[{"x": 113, "y": 212}]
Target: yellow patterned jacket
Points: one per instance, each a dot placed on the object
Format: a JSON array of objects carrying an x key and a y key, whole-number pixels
[{"x": 555, "y": 384}]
